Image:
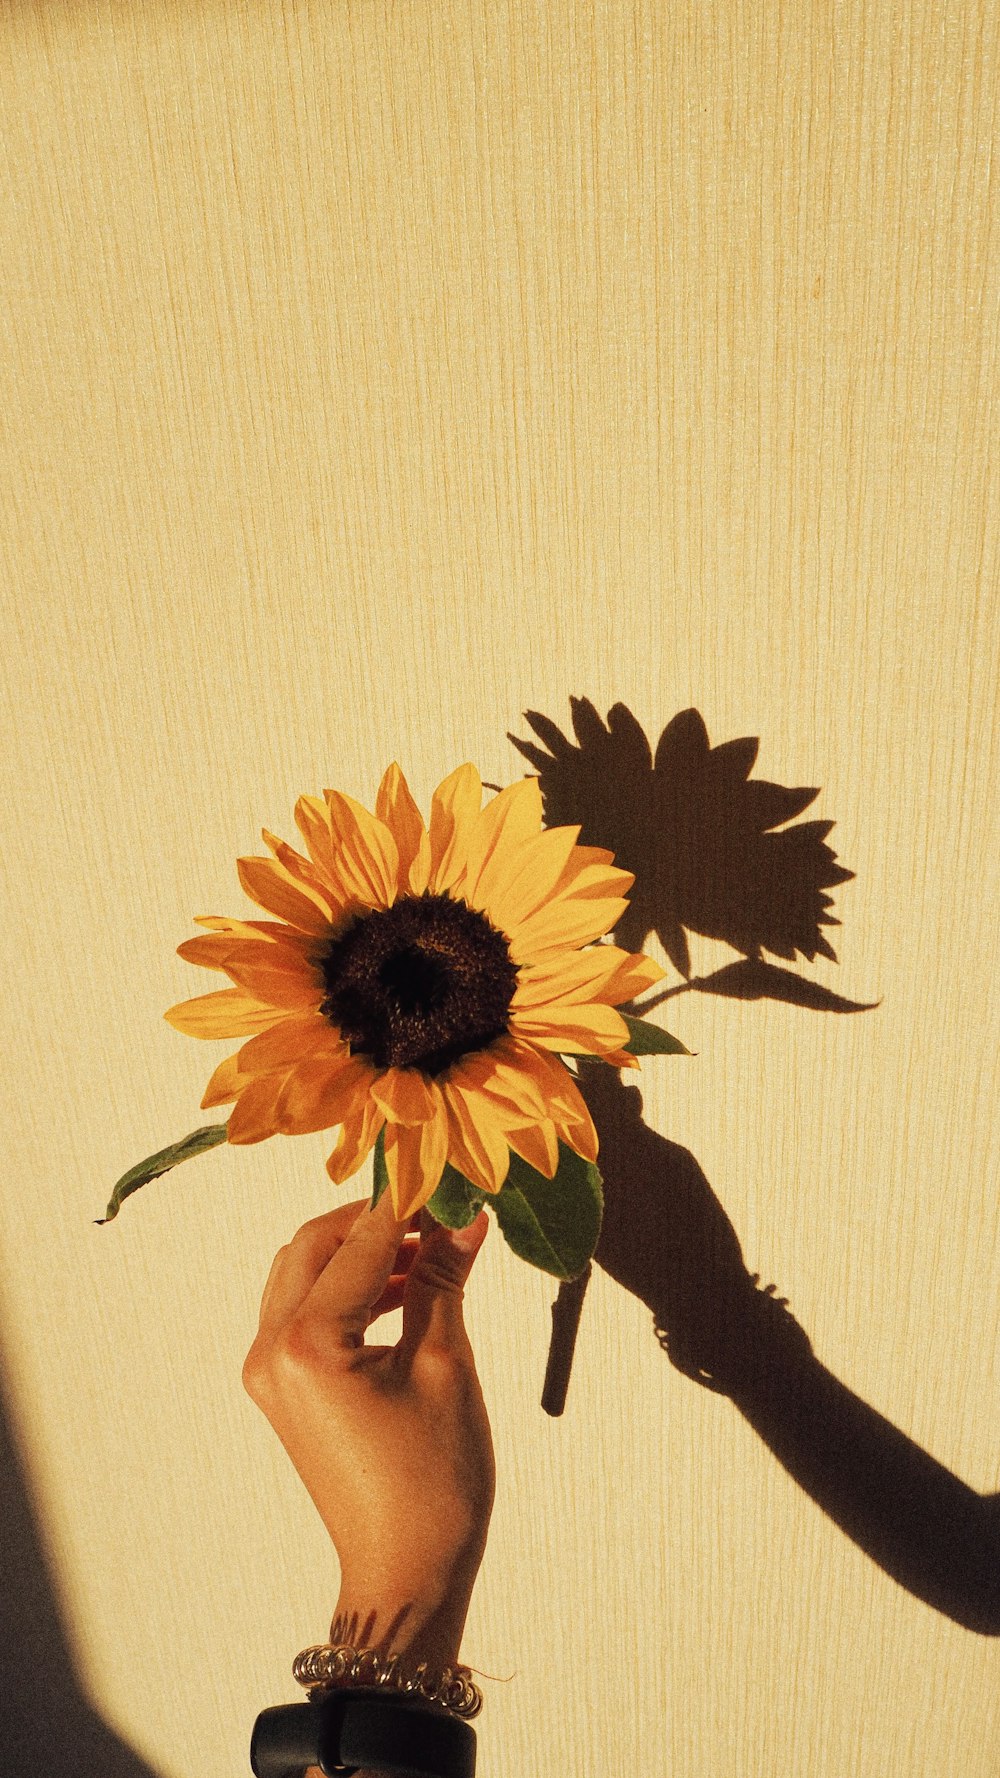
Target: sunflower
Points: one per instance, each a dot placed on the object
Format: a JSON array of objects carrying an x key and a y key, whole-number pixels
[{"x": 420, "y": 984}]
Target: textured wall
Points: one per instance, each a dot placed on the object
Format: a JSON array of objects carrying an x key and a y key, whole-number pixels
[{"x": 370, "y": 374}]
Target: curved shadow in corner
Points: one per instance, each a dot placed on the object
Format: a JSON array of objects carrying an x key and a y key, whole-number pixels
[
  {"x": 49, "y": 1725},
  {"x": 666, "y": 1239}
]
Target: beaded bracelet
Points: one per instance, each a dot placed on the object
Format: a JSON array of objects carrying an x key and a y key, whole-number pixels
[{"x": 325, "y": 1665}]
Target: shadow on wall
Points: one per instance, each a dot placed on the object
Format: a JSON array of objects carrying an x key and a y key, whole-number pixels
[
  {"x": 701, "y": 841},
  {"x": 50, "y": 1728},
  {"x": 666, "y": 1238}
]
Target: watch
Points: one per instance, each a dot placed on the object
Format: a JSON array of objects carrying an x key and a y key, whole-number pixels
[{"x": 353, "y": 1728}]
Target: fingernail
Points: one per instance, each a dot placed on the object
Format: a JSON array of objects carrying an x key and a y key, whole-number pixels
[{"x": 466, "y": 1239}]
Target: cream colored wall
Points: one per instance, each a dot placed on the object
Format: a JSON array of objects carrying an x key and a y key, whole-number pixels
[{"x": 370, "y": 374}]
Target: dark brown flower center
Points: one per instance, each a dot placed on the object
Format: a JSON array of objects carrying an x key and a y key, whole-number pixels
[{"x": 419, "y": 984}]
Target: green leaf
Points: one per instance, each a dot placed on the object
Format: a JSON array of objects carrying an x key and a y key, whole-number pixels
[
  {"x": 456, "y": 1202},
  {"x": 552, "y": 1223},
  {"x": 198, "y": 1142},
  {"x": 645, "y": 1039},
  {"x": 380, "y": 1172}
]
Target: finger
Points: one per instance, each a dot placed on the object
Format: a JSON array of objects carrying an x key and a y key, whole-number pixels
[
  {"x": 353, "y": 1280},
  {"x": 299, "y": 1264},
  {"x": 392, "y": 1295},
  {"x": 432, "y": 1303},
  {"x": 390, "y": 1300},
  {"x": 272, "y": 1274},
  {"x": 397, "y": 1281}
]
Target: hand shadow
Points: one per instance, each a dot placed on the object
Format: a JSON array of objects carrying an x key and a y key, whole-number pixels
[
  {"x": 49, "y": 1723},
  {"x": 667, "y": 1240}
]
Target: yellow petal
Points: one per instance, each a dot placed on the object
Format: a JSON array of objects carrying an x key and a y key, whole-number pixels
[
  {"x": 301, "y": 869},
  {"x": 252, "y": 1118},
  {"x": 545, "y": 1069},
  {"x": 588, "y": 872},
  {"x": 312, "y": 818},
  {"x": 563, "y": 1099},
  {"x": 414, "y": 1157},
  {"x": 395, "y": 806},
  {"x": 580, "y": 1134},
  {"x": 320, "y": 1091},
  {"x": 586, "y": 855},
  {"x": 455, "y": 808},
  {"x": 595, "y": 974},
  {"x": 477, "y": 1145},
  {"x": 462, "y": 1157},
  {"x": 563, "y": 926},
  {"x": 420, "y": 869},
  {"x": 285, "y": 950},
  {"x": 226, "y": 1084},
  {"x": 508, "y": 823},
  {"x": 294, "y": 985},
  {"x": 500, "y": 1074},
  {"x": 270, "y": 970},
  {"x": 538, "y": 1145},
  {"x": 573, "y": 975},
  {"x": 588, "y": 882},
  {"x": 229, "y": 1013},
  {"x": 572, "y": 1029},
  {"x": 210, "y": 950},
  {"x": 637, "y": 973},
  {"x": 571, "y": 1114},
  {"x": 591, "y": 864},
  {"x": 296, "y": 1036},
  {"x": 259, "y": 929},
  {"x": 271, "y": 886},
  {"x": 406, "y": 1096},
  {"x": 356, "y": 1140},
  {"x": 619, "y": 1059},
  {"x": 207, "y": 951},
  {"x": 365, "y": 854},
  {"x": 567, "y": 1106},
  {"x": 531, "y": 875}
]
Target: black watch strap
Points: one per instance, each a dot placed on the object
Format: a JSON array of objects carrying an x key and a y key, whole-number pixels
[{"x": 355, "y": 1727}]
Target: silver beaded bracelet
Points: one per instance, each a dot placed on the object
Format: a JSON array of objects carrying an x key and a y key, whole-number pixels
[{"x": 325, "y": 1665}]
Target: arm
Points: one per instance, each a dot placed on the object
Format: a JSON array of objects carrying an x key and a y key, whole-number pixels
[{"x": 392, "y": 1443}]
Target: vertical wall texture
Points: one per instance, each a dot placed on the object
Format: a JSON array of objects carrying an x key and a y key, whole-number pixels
[{"x": 370, "y": 374}]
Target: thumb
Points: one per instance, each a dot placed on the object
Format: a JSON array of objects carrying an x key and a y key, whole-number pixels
[{"x": 432, "y": 1302}]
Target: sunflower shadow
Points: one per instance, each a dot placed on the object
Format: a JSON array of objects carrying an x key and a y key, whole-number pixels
[
  {"x": 666, "y": 1239},
  {"x": 49, "y": 1724},
  {"x": 709, "y": 847}
]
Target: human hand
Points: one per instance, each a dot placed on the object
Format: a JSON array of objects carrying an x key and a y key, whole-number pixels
[{"x": 392, "y": 1442}]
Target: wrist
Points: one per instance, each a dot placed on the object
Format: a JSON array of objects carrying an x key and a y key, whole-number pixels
[{"x": 417, "y": 1624}]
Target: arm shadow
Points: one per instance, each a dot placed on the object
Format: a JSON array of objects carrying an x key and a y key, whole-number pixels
[
  {"x": 49, "y": 1723},
  {"x": 667, "y": 1240}
]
